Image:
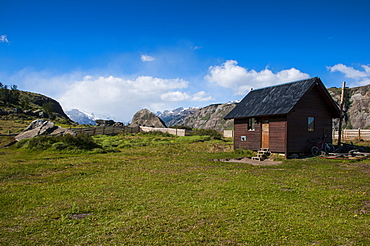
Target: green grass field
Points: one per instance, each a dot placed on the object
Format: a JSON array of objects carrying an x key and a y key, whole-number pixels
[{"x": 170, "y": 192}]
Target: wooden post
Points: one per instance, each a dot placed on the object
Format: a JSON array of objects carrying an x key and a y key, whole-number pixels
[{"x": 341, "y": 114}]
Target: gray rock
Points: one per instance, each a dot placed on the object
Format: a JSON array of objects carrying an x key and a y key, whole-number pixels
[
  {"x": 28, "y": 112},
  {"x": 42, "y": 114},
  {"x": 118, "y": 124},
  {"x": 104, "y": 122},
  {"x": 17, "y": 110},
  {"x": 146, "y": 118},
  {"x": 3, "y": 112},
  {"x": 42, "y": 127}
]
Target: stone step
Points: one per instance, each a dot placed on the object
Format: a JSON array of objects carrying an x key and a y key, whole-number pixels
[
  {"x": 255, "y": 158},
  {"x": 265, "y": 149},
  {"x": 264, "y": 152}
]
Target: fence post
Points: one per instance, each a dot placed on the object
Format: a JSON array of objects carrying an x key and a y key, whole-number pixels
[{"x": 359, "y": 133}]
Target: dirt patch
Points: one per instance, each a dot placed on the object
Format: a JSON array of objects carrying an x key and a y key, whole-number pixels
[
  {"x": 79, "y": 216},
  {"x": 366, "y": 208},
  {"x": 266, "y": 162}
]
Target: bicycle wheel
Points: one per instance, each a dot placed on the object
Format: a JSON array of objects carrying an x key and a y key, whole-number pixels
[
  {"x": 329, "y": 148},
  {"x": 315, "y": 151}
]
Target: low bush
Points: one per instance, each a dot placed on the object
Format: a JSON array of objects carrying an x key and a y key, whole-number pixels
[
  {"x": 207, "y": 132},
  {"x": 181, "y": 127},
  {"x": 65, "y": 142},
  {"x": 193, "y": 139},
  {"x": 155, "y": 133}
]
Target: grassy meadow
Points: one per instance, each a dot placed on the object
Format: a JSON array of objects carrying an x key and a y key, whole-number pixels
[{"x": 166, "y": 190}]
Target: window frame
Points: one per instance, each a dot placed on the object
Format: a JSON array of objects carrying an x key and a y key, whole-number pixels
[
  {"x": 311, "y": 123},
  {"x": 251, "y": 122}
]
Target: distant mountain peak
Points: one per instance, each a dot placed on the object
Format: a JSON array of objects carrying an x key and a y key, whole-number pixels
[{"x": 81, "y": 118}]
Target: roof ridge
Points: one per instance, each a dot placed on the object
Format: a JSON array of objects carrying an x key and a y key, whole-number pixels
[{"x": 287, "y": 83}]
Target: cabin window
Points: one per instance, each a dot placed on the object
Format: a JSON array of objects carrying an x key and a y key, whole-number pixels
[
  {"x": 311, "y": 124},
  {"x": 251, "y": 124}
]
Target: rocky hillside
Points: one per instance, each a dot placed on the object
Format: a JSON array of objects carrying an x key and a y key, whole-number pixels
[
  {"x": 175, "y": 117},
  {"x": 32, "y": 105},
  {"x": 356, "y": 106},
  {"x": 209, "y": 117}
]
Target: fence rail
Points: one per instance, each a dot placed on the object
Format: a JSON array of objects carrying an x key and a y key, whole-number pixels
[
  {"x": 174, "y": 131},
  {"x": 106, "y": 130},
  {"x": 353, "y": 134}
]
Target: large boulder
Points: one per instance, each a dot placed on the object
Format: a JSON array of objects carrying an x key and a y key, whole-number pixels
[
  {"x": 42, "y": 127},
  {"x": 146, "y": 118}
]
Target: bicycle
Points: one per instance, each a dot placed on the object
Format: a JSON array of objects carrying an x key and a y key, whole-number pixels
[{"x": 322, "y": 146}]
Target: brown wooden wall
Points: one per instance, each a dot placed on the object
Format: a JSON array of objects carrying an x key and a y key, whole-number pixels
[
  {"x": 278, "y": 134},
  {"x": 310, "y": 105},
  {"x": 253, "y": 138}
]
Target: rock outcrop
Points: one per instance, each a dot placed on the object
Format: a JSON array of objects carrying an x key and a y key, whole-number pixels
[
  {"x": 209, "y": 117},
  {"x": 42, "y": 127},
  {"x": 356, "y": 106},
  {"x": 146, "y": 118},
  {"x": 176, "y": 117},
  {"x": 48, "y": 105}
]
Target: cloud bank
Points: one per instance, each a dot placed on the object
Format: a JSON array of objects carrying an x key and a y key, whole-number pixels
[
  {"x": 121, "y": 98},
  {"x": 359, "y": 78},
  {"x": 241, "y": 80}
]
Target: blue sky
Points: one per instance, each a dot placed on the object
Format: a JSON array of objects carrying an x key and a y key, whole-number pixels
[{"x": 116, "y": 57}]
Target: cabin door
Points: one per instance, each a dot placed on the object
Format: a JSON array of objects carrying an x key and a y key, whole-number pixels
[{"x": 265, "y": 134}]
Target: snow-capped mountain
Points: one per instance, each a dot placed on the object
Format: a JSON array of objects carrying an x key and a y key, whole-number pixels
[
  {"x": 84, "y": 118},
  {"x": 174, "y": 117},
  {"x": 209, "y": 117}
]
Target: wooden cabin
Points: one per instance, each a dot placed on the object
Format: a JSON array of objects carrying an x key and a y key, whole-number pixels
[{"x": 287, "y": 118}]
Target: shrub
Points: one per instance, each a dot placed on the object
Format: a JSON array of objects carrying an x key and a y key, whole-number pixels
[
  {"x": 181, "y": 127},
  {"x": 81, "y": 141},
  {"x": 207, "y": 132},
  {"x": 193, "y": 139},
  {"x": 155, "y": 133}
]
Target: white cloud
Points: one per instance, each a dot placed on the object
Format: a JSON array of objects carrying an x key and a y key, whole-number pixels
[
  {"x": 359, "y": 77},
  {"x": 201, "y": 97},
  {"x": 4, "y": 39},
  {"x": 121, "y": 98},
  {"x": 175, "y": 96},
  {"x": 241, "y": 80},
  {"x": 146, "y": 58}
]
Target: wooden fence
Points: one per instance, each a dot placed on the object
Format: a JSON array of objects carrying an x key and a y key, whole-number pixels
[
  {"x": 112, "y": 130},
  {"x": 106, "y": 130},
  {"x": 353, "y": 134},
  {"x": 174, "y": 131}
]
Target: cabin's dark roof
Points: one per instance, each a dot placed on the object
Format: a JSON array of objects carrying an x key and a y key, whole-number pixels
[{"x": 274, "y": 100}]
